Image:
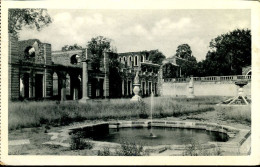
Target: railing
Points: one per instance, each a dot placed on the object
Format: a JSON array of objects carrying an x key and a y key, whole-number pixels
[{"x": 211, "y": 78}]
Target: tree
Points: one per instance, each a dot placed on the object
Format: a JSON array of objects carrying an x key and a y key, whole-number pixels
[
  {"x": 230, "y": 52},
  {"x": 71, "y": 47},
  {"x": 186, "y": 60},
  {"x": 114, "y": 75},
  {"x": 97, "y": 46},
  {"x": 156, "y": 56},
  {"x": 33, "y": 18},
  {"x": 183, "y": 51},
  {"x": 170, "y": 71}
]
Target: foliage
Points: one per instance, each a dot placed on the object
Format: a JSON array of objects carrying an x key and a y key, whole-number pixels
[
  {"x": 186, "y": 60},
  {"x": 143, "y": 110},
  {"x": 240, "y": 114},
  {"x": 71, "y": 47},
  {"x": 149, "y": 68},
  {"x": 32, "y": 18},
  {"x": 114, "y": 74},
  {"x": 170, "y": 71},
  {"x": 229, "y": 53},
  {"x": 156, "y": 56},
  {"x": 78, "y": 143},
  {"x": 97, "y": 46},
  {"x": 196, "y": 149},
  {"x": 105, "y": 152},
  {"x": 130, "y": 149},
  {"x": 183, "y": 51}
]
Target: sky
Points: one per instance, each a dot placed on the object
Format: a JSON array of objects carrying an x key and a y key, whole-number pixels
[{"x": 137, "y": 30}]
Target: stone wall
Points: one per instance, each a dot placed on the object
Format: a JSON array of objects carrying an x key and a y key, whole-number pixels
[
  {"x": 13, "y": 68},
  {"x": 222, "y": 88}
]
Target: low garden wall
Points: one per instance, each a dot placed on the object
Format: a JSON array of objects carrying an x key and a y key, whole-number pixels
[{"x": 206, "y": 86}]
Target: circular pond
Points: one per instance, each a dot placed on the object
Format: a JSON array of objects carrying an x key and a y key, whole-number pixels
[{"x": 164, "y": 136}]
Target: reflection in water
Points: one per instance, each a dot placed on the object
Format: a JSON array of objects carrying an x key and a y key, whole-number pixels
[{"x": 164, "y": 136}]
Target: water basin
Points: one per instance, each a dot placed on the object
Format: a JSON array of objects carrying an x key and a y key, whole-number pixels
[{"x": 164, "y": 136}]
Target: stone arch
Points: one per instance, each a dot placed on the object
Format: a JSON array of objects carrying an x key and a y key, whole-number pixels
[
  {"x": 249, "y": 72},
  {"x": 136, "y": 60},
  {"x": 142, "y": 58},
  {"x": 130, "y": 60},
  {"x": 74, "y": 59},
  {"x": 29, "y": 53}
]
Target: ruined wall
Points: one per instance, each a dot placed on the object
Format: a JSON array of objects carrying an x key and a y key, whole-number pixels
[
  {"x": 48, "y": 72},
  {"x": 13, "y": 68}
]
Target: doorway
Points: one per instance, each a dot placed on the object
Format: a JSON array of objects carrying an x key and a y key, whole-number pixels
[{"x": 38, "y": 86}]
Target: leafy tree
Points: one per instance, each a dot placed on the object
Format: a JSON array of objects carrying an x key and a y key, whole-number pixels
[
  {"x": 97, "y": 46},
  {"x": 229, "y": 53},
  {"x": 33, "y": 18},
  {"x": 186, "y": 60},
  {"x": 170, "y": 71},
  {"x": 71, "y": 47},
  {"x": 183, "y": 51},
  {"x": 114, "y": 75},
  {"x": 156, "y": 56}
]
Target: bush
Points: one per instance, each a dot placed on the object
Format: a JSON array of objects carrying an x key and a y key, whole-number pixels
[
  {"x": 196, "y": 149},
  {"x": 78, "y": 142},
  {"x": 130, "y": 149},
  {"x": 105, "y": 152},
  {"x": 143, "y": 110}
]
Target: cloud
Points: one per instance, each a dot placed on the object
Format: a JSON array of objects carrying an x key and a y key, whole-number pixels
[
  {"x": 167, "y": 26},
  {"x": 137, "y": 30}
]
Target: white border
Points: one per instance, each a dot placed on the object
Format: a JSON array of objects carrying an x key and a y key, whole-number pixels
[{"x": 253, "y": 159}]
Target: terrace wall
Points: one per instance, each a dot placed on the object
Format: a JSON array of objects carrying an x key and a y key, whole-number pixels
[{"x": 206, "y": 86}]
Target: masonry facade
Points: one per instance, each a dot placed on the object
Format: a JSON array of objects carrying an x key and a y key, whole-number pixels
[
  {"x": 149, "y": 73},
  {"x": 37, "y": 72}
]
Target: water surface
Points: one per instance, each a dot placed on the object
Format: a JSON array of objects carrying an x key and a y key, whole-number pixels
[{"x": 164, "y": 136}]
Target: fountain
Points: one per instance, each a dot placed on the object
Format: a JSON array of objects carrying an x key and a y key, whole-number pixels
[
  {"x": 240, "y": 99},
  {"x": 151, "y": 130}
]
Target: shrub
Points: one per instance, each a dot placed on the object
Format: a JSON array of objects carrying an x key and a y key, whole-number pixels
[
  {"x": 196, "y": 149},
  {"x": 130, "y": 149},
  {"x": 105, "y": 152},
  {"x": 78, "y": 142},
  {"x": 143, "y": 110}
]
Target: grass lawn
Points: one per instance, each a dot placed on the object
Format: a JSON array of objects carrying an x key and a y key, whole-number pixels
[
  {"x": 34, "y": 114},
  {"x": 32, "y": 120}
]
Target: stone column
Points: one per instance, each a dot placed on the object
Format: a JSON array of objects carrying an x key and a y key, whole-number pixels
[
  {"x": 191, "y": 88},
  {"x": 75, "y": 94},
  {"x": 131, "y": 87},
  {"x": 123, "y": 88},
  {"x": 127, "y": 87},
  {"x": 106, "y": 79},
  {"x": 63, "y": 87},
  {"x": 84, "y": 79},
  {"x": 160, "y": 81},
  {"x": 31, "y": 85}
]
